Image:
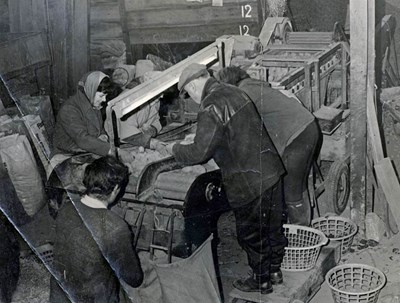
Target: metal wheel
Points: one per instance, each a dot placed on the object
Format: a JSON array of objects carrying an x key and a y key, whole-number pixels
[{"x": 337, "y": 186}]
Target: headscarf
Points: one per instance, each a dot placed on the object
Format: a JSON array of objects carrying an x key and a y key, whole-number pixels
[{"x": 90, "y": 83}]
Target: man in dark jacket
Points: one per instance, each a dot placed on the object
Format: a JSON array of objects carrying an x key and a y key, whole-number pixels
[
  {"x": 294, "y": 131},
  {"x": 94, "y": 246},
  {"x": 230, "y": 131}
]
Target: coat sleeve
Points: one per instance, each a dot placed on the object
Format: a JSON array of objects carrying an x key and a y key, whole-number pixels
[
  {"x": 208, "y": 135},
  {"x": 153, "y": 119},
  {"x": 122, "y": 256},
  {"x": 75, "y": 127}
]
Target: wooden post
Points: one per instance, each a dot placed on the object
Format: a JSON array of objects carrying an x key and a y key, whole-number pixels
[
  {"x": 360, "y": 16},
  {"x": 58, "y": 31},
  {"x": 78, "y": 42},
  {"x": 125, "y": 31}
]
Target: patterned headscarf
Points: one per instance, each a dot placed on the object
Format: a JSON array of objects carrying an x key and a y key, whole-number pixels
[{"x": 90, "y": 83}]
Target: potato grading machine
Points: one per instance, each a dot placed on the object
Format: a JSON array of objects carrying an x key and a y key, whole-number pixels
[{"x": 167, "y": 203}]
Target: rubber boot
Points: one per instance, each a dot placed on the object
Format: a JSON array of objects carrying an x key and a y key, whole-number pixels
[
  {"x": 276, "y": 276},
  {"x": 299, "y": 212},
  {"x": 254, "y": 283}
]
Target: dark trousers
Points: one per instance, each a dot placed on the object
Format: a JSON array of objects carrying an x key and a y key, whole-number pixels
[
  {"x": 260, "y": 232},
  {"x": 298, "y": 158}
]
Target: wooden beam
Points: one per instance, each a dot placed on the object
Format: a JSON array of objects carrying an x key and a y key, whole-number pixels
[
  {"x": 188, "y": 33},
  {"x": 58, "y": 40},
  {"x": 125, "y": 31},
  {"x": 389, "y": 184},
  {"x": 78, "y": 42},
  {"x": 359, "y": 20}
]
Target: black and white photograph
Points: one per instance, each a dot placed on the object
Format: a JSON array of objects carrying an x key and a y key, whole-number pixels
[{"x": 199, "y": 151}]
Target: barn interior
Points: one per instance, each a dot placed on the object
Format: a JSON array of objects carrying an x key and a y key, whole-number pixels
[{"x": 339, "y": 59}]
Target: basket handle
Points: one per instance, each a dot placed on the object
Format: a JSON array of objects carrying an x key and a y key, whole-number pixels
[{"x": 325, "y": 240}]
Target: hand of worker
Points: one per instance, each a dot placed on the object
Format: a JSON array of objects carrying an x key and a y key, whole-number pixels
[
  {"x": 150, "y": 131},
  {"x": 169, "y": 148},
  {"x": 103, "y": 137},
  {"x": 159, "y": 146},
  {"x": 156, "y": 144},
  {"x": 125, "y": 156},
  {"x": 189, "y": 139}
]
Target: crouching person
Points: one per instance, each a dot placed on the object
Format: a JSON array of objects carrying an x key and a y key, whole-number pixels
[{"x": 94, "y": 247}]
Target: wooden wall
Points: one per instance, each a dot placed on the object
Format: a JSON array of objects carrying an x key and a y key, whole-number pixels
[
  {"x": 65, "y": 23},
  {"x": 27, "y": 15},
  {"x": 176, "y": 21},
  {"x": 77, "y": 28},
  {"x": 68, "y": 31},
  {"x": 105, "y": 25},
  {"x": 4, "y": 17},
  {"x": 154, "y": 22}
]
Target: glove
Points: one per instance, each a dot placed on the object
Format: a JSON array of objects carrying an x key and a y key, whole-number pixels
[
  {"x": 103, "y": 137},
  {"x": 160, "y": 146},
  {"x": 143, "y": 138}
]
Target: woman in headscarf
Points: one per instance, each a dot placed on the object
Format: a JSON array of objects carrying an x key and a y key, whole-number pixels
[{"x": 79, "y": 126}]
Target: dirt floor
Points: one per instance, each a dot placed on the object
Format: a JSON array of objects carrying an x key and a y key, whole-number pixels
[{"x": 34, "y": 280}]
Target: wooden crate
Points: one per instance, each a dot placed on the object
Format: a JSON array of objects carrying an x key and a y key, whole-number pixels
[
  {"x": 25, "y": 63},
  {"x": 18, "y": 51}
]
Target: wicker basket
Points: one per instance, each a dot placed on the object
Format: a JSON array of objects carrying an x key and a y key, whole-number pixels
[
  {"x": 338, "y": 229},
  {"x": 355, "y": 283},
  {"x": 303, "y": 248},
  {"x": 45, "y": 253}
]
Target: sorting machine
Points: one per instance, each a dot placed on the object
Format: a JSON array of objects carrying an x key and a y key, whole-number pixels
[
  {"x": 311, "y": 66},
  {"x": 175, "y": 208}
]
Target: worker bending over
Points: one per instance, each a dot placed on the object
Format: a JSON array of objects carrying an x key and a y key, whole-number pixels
[
  {"x": 94, "y": 246},
  {"x": 294, "y": 131},
  {"x": 230, "y": 131}
]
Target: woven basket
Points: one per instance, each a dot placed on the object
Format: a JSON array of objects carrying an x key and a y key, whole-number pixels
[
  {"x": 337, "y": 229},
  {"x": 352, "y": 283},
  {"x": 304, "y": 245}
]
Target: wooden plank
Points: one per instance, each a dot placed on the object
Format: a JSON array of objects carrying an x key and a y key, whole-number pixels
[
  {"x": 27, "y": 50},
  {"x": 104, "y": 12},
  {"x": 373, "y": 126},
  {"x": 15, "y": 19},
  {"x": 162, "y": 4},
  {"x": 4, "y": 17},
  {"x": 389, "y": 183},
  {"x": 125, "y": 31},
  {"x": 39, "y": 15},
  {"x": 379, "y": 197},
  {"x": 358, "y": 128},
  {"x": 208, "y": 32},
  {"x": 105, "y": 30},
  {"x": 26, "y": 16},
  {"x": 58, "y": 40},
  {"x": 93, "y": 2},
  {"x": 184, "y": 16},
  {"x": 79, "y": 46}
]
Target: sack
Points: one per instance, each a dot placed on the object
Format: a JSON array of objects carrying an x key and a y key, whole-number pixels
[
  {"x": 17, "y": 156},
  {"x": 150, "y": 290},
  {"x": 191, "y": 280},
  {"x": 41, "y": 106},
  {"x": 39, "y": 134}
]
